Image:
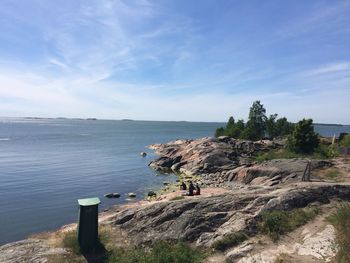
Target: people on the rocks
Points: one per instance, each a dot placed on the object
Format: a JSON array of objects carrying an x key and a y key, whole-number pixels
[
  {"x": 183, "y": 186},
  {"x": 198, "y": 190},
  {"x": 190, "y": 189}
]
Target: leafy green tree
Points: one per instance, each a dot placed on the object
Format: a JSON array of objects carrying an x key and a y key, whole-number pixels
[
  {"x": 303, "y": 138},
  {"x": 283, "y": 127},
  {"x": 233, "y": 129},
  {"x": 219, "y": 132},
  {"x": 255, "y": 128},
  {"x": 230, "y": 124},
  {"x": 271, "y": 128}
]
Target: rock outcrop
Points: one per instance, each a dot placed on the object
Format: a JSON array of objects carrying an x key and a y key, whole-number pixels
[
  {"x": 28, "y": 250},
  {"x": 219, "y": 160},
  {"x": 207, "y": 219}
]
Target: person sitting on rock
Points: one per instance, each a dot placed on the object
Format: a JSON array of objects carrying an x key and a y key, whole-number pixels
[
  {"x": 198, "y": 190},
  {"x": 183, "y": 186},
  {"x": 190, "y": 189}
]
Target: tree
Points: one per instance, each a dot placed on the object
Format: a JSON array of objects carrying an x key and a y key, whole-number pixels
[
  {"x": 271, "y": 126},
  {"x": 283, "y": 127},
  {"x": 231, "y": 123},
  {"x": 303, "y": 138},
  {"x": 256, "y": 121},
  {"x": 219, "y": 132}
]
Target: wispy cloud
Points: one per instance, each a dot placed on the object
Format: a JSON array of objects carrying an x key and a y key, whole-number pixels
[
  {"x": 170, "y": 60},
  {"x": 330, "y": 68}
]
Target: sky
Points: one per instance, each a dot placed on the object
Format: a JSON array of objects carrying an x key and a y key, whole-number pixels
[{"x": 175, "y": 59}]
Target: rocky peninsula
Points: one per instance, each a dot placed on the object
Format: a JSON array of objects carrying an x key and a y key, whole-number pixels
[{"x": 237, "y": 192}]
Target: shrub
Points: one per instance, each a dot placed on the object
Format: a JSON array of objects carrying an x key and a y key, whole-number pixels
[
  {"x": 276, "y": 223},
  {"x": 345, "y": 142},
  {"x": 230, "y": 240},
  {"x": 303, "y": 138},
  {"x": 341, "y": 221}
]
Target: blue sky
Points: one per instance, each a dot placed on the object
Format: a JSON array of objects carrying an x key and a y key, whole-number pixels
[{"x": 175, "y": 60}]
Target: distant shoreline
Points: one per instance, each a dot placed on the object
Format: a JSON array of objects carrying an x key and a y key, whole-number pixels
[
  {"x": 329, "y": 124},
  {"x": 181, "y": 121}
]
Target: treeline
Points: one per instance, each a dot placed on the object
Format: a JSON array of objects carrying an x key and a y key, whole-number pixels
[
  {"x": 258, "y": 126},
  {"x": 301, "y": 137}
]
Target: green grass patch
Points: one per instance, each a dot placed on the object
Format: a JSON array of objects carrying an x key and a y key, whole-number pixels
[
  {"x": 177, "y": 198},
  {"x": 277, "y": 154},
  {"x": 341, "y": 221},
  {"x": 230, "y": 240},
  {"x": 161, "y": 252},
  {"x": 322, "y": 152},
  {"x": 70, "y": 241},
  {"x": 332, "y": 174},
  {"x": 276, "y": 223}
]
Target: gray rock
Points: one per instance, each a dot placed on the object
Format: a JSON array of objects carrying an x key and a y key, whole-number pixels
[
  {"x": 239, "y": 251},
  {"x": 195, "y": 220}
]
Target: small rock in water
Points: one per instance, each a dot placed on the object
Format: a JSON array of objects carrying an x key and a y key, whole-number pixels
[
  {"x": 132, "y": 195},
  {"x": 151, "y": 193},
  {"x": 143, "y": 154},
  {"x": 112, "y": 195},
  {"x": 165, "y": 183}
]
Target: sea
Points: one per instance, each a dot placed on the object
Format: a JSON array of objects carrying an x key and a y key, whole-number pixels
[{"x": 46, "y": 165}]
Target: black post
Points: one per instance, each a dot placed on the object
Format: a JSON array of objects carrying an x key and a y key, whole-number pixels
[{"x": 88, "y": 223}]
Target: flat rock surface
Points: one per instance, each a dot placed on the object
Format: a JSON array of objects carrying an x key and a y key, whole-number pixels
[{"x": 28, "y": 250}]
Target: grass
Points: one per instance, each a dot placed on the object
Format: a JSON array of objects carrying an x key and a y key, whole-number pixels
[
  {"x": 322, "y": 152},
  {"x": 341, "y": 221},
  {"x": 332, "y": 174},
  {"x": 276, "y": 223},
  {"x": 161, "y": 252},
  {"x": 177, "y": 198},
  {"x": 277, "y": 154},
  {"x": 230, "y": 240},
  {"x": 70, "y": 241}
]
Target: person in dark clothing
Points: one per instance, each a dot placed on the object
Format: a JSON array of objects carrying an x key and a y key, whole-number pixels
[
  {"x": 183, "y": 186},
  {"x": 198, "y": 190},
  {"x": 190, "y": 189}
]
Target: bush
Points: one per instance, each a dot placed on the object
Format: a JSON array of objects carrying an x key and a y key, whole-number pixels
[
  {"x": 276, "y": 223},
  {"x": 345, "y": 142},
  {"x": 230, "y": 240},
  {"x": 303, "y": 138},
  {"x": 161, "y": 252},
  {"x": 341, "y": 221}
]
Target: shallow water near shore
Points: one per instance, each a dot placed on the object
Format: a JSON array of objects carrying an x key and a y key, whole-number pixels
[{"x": 47, "y": 164}]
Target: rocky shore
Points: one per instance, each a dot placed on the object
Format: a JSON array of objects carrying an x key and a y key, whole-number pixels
[
  {"x": 216, "y": 161},
  {"x": 245, "y": 190}
]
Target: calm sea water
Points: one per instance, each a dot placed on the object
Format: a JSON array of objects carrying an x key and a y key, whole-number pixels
[{"x": 46, "y": 165}]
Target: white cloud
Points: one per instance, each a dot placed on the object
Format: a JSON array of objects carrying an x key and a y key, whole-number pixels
[{"x": 330, "y": 68}]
